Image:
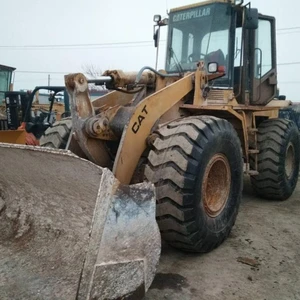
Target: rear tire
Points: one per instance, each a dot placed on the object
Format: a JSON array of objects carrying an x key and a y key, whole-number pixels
[
  {"x": 278, "y": 159},
  {"x": 196, "y": 166},
  {"x": 57, "y": 136}
]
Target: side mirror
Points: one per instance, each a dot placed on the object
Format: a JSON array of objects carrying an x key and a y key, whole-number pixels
[
  {"x": 212, "y": 67},
  {"x": 156, "y": 29},
  {"x": 156, "y": 37},
  {"x": 251, "y": 18}
]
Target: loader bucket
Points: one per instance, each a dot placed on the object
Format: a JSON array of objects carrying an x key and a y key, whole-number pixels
[{"x": 70, "y": 230}]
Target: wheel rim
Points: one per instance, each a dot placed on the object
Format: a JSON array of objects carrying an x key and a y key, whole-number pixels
[
  {"x": 289, "y": 160},
  {"x": 216, "y": 185}
]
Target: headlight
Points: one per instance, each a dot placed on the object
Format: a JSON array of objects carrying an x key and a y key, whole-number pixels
[{"x": 157, "y": 18}]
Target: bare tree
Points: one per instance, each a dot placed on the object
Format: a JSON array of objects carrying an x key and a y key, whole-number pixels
[{"x": 91, "y": 70}]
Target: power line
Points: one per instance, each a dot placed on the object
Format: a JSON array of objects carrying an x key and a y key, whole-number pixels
[
  {"x": 77, "y": 45},
  {"x": 43, "y": 72},
  {"x": 78, "y": 48},
  {"x": 108, "y": 45},
  {"x": 285, "y": 33},
  {"x": 111, "y": 44},
  {"x": 287, "y": 28},
  {"x": 64, "y": 73},
  {"x": 289, "y": 63},
  {"x": 39, "y": 79},
  {"x": 18, "y": 48},
  {"x": 118, "y": 44}
]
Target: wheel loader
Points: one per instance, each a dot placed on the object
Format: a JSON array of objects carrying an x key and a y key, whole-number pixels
[
  {"x": 166, "y": 148},
  {"x": 23, "y": 120}
]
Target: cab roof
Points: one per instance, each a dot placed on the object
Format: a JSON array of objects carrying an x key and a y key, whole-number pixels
[
  {"x": 6, "y": 68},
  {"x": 200, "y": 4}
]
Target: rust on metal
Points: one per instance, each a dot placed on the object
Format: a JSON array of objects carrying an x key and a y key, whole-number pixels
[
  {"x": 244, "y": 114},
  {"x": 199, "y": 85},
  {"x": 131, "y": 119},
  {"x": 122, "y": 79},
  {"x": 82, "y": 110},
  {"x": 77, "y": 83},
  {"x": 216, "y": 185},
  {"x": 258, "y": 109},
  {"x": 98, "y": 127},
  {"x": 112, "y": 99}
]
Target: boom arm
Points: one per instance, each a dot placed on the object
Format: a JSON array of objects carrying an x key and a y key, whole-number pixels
[{"x": 135, "y": 122}]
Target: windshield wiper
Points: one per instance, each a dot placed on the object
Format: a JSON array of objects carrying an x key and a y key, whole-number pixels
[{"x": 177, "y": 63}]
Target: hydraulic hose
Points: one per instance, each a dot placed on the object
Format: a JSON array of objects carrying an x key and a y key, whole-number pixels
[{"x": 139, "y": 75}]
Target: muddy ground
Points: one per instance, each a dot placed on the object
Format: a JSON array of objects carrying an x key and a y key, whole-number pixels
[{"x": 259, "y": 260}]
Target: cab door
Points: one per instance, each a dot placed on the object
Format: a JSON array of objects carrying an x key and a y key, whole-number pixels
[{"x": 264, "y": 78}]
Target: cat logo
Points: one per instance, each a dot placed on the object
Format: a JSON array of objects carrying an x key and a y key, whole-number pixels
[{"x": 137, "y": 125}]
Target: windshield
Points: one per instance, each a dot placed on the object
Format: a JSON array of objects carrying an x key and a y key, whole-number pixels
[
  {"x": 201, "y": 33},
  {"x": 5, "y": 79}
]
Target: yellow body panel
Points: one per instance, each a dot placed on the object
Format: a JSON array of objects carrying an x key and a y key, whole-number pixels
[
  {"x": 147, "y": 112},
  {"x": 13, "y": 136}
]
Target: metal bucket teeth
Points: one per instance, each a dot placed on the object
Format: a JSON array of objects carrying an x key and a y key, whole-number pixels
[{"x": 69, "y": 230}]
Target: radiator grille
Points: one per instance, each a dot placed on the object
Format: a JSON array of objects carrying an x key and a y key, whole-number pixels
[{"x": 216, "y": 96}]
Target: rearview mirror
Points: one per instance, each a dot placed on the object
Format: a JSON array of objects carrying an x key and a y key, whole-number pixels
[
  {"x": 212, "y": 67},
  {"x": 156, "y": 38},
  {"x": 251, "y": 18}
]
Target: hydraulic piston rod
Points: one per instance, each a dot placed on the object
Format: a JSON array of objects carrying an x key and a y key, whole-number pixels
[{"x": 102, "y": 80}]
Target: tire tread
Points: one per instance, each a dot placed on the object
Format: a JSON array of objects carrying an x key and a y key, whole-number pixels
[
  {"x": 171, "y": 163},
  {"x": 272, "y": 140}
]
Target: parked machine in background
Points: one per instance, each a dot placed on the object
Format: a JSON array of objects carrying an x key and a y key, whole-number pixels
[
  {"x": 6, "y": 73},
  {"x": 191, "y": 131},
  {"x": 23, "y": 119}
]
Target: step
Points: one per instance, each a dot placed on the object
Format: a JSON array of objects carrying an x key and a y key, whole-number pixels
[
  {"x": 253, "y": 151},
  {"x": 253, "y": 173}
]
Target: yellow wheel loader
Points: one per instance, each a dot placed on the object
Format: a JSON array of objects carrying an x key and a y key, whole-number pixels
[
  {"x": 23, "y": 120},
  {"x": 82, "y": 225}
]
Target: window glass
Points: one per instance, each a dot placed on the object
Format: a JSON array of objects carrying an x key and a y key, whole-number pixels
[
  {"x": 217, "y": 40},
  {"x": 263, "y": 52},
  {"x": 177, "y": 44},
  {"x": 238, "y": 47},
  {"x": 4, "y": 80},
  {"x": 199, "y": 33},
  {"x": 190, "y": 44}
]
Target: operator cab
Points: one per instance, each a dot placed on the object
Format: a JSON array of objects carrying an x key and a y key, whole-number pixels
[
  {"x": 234, "y": 38},
  {"x": 199, "y": 33},
  {"x": 5, "y": 80}
]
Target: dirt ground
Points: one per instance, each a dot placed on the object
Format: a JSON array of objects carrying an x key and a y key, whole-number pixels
[{"x": 259, "y": 260}]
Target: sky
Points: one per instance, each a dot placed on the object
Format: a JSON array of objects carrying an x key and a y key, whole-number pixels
[{"x": 46, "y": 24}]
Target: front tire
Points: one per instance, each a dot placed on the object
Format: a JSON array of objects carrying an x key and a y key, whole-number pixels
[
  {"x": 57, "y": 136},
  {"x": 278, "y": 159},
  {"x": 196, "y": 166}
]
